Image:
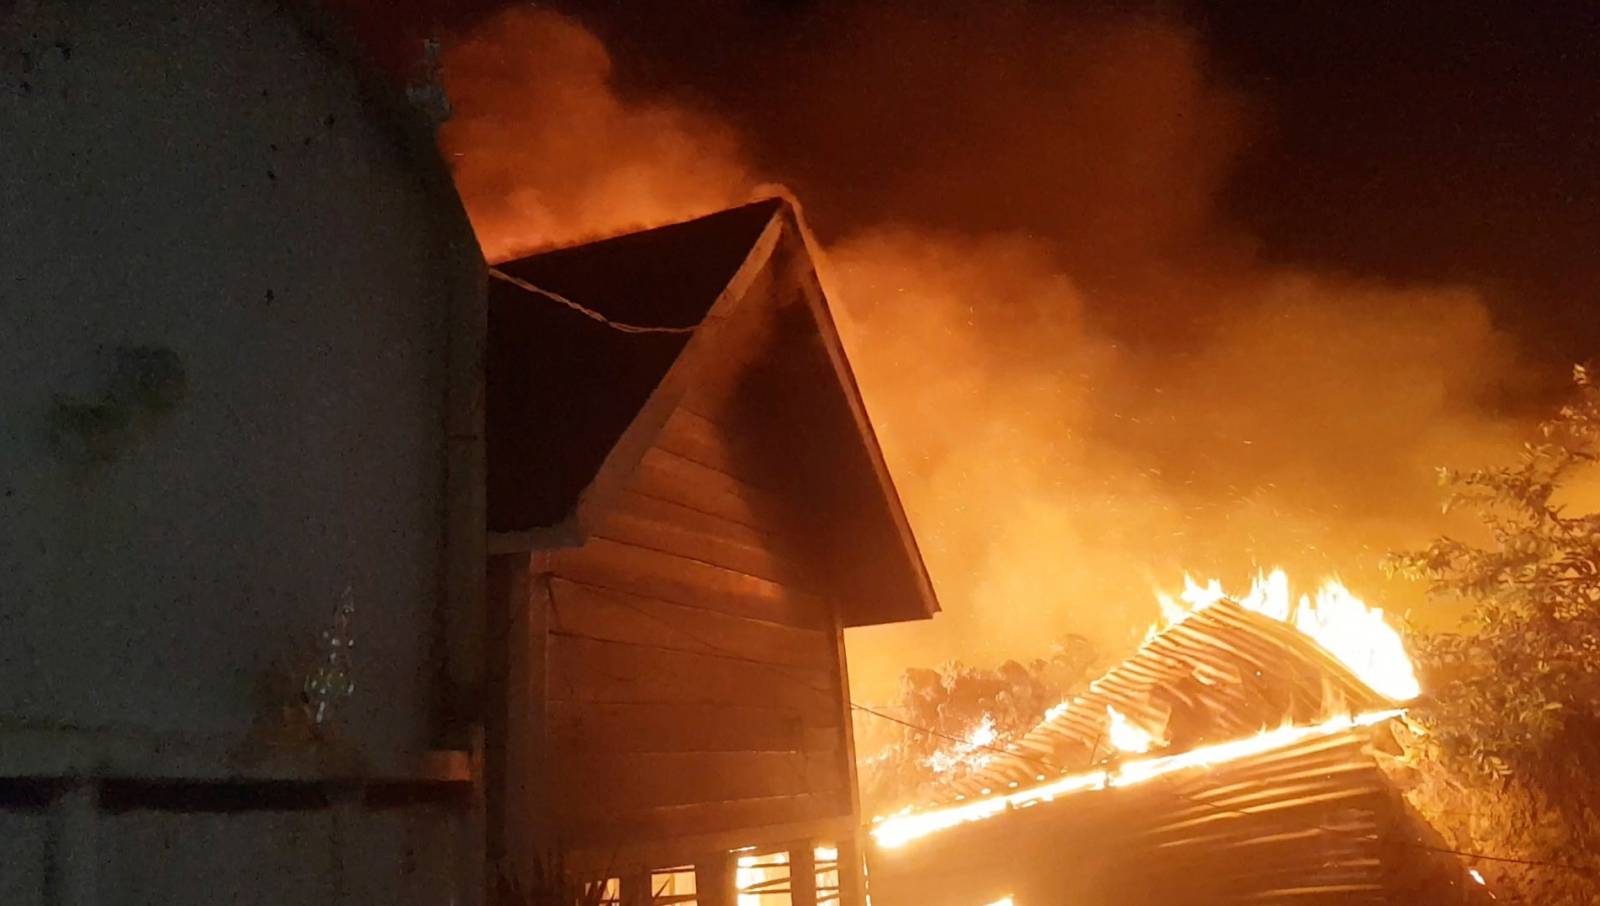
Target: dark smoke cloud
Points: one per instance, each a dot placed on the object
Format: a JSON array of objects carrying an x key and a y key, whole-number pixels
[{"x": 1084, "y": 379}]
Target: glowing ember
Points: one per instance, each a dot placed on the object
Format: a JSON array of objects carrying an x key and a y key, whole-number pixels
[
  {"x": 1345, "y": 627},
  {"x": 1125, "y": 736},
  {"x": 972, "y": 753},
  {"x": 905, "y": 827}
]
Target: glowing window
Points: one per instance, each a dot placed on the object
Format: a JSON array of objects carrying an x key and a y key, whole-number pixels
[
  {"x": 763, "y": 879},
  {"x": 672, "y": 886}
]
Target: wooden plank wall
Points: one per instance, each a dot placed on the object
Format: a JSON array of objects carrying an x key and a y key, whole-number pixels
[{"x": 694, "y": 672}]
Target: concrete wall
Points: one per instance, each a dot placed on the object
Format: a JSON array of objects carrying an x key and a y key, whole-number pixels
[{"x": 225, "y": 306}]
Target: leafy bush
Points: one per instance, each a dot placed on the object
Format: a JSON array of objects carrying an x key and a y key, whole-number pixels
[
  {"x": 1527, "y": 667},
  {"x": 1511, "y": 718}
]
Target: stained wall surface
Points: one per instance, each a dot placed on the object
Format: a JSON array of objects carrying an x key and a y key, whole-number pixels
[{"x": 224, "y": 305}]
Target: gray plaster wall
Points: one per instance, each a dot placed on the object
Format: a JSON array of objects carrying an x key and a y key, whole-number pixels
[{"x": 223, "y": 368}]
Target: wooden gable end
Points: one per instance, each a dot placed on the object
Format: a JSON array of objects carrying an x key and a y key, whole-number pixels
[{"x": 695, "y": 667}]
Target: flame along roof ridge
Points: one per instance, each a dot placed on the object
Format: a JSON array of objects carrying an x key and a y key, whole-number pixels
[{"x": 1222, "y": 673}]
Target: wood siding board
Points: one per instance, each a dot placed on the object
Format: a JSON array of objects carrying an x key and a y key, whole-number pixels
[
  {"x": 668, "y": 477},
  {"x": 604, "y": 563},
  {"x": 703, "y": 439},
  {"x": 586, "y": 670},
  {"x": 691, "y": 475},
  {"x": 672, "y": 537},
  {"x": 746, "y": 816},
  {"x": 583, "y": 611},
  {"x": 657, "y": 727},
  {"x": 689, "y": 849},
  {"x": 823, "y": 739},
  {"x": 597, "y": 782}
]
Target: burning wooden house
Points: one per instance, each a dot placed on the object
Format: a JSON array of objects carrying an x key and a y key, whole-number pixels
[
  {"x": 687, "y": 505},
  {"x": 1233, "y": 759}
]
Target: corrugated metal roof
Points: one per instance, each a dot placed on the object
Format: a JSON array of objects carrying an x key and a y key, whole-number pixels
[
  {"x": 1223, "y": 673},
  {"x": 1311, "y": 822}
]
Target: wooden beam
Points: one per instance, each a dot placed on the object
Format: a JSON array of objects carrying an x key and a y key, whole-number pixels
[
  {"x": 802, "y": 874},
  {"x": 852, "y": 881},
  {"x": 715, "y": 880},
  {"x": 515, "y": 772},
  {"x": 811, "y": 285},
  {"x": 528, "y": 791},
  {"x": 847, "y": 723},
  {"x": 690, "y": 848},
  {"x": 636, "y": 888},
  {"x": 505, "y": 580}
]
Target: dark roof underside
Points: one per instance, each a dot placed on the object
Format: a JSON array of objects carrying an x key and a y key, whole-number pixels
[{"x": 561, "y": 387}]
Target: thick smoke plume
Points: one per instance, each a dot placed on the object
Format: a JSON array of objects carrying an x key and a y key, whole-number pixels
[
  {"x": 545, "y": 153},
  {"x": 1085, "y": 379}
]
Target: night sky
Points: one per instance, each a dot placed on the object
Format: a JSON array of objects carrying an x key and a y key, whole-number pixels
[
  {"x": 1403, "y": 141},
  {"x": 1398, "y": 140},
  {"x": 1470, "y": 137}
]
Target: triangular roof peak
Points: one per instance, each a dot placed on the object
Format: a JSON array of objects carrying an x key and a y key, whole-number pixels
[{"x": 592, "y": 349}]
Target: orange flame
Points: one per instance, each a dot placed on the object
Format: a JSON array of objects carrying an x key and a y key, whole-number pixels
[
  {"x": 1125, "y": 735},
  {"x": 1356, "y": 635},
  {"x": 907, "y": 826},
  {"x": 972, "y": 752}
]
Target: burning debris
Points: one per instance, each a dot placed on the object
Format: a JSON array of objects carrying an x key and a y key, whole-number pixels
[
  {"x": 1222, "y": 670},
  {"x": 1195, "y": 709},
  {"x": 1124, "y": 736},
  {"x": 973, "y": 713},
  {"x": 1335, "y": 619}
]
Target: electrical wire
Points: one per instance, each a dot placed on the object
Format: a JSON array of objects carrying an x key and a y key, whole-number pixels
[
  {"x": 1578, "y": 869},
  {"x": 587, "y": 312},
  {"x": 931, "y": 732}
]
